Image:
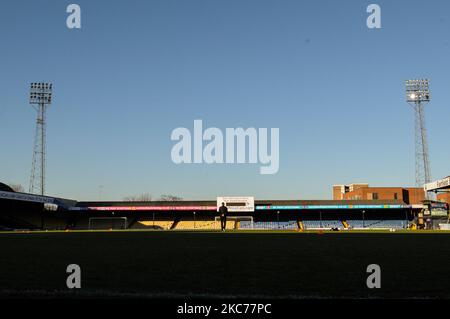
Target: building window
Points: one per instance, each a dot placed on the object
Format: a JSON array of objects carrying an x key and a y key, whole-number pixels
[
  {"x": 375, "y": 196},
  {"x": 395, "y": 196}
]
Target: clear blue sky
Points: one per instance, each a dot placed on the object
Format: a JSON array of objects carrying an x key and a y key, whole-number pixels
[{"x": 139, "y": 69}]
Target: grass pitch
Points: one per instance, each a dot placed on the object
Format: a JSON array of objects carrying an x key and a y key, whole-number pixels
[{"x": 169, "y": 264}]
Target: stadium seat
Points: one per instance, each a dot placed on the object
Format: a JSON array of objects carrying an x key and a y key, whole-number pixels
[
  {"x": 377, "y": 224},
  {"x": 269, "y": 225},
  {"x": 324, "y": 224},
  {"x": 198, "y": 224},
  {"x": 167, "y": 224}
]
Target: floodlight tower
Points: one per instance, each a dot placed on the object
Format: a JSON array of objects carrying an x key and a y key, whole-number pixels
[
  {"x": 417, "y": 95},
  {"x": 40, "y": 99}
]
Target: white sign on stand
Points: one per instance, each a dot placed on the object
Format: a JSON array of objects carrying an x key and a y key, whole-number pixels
[{"x": 237, "y": 204}]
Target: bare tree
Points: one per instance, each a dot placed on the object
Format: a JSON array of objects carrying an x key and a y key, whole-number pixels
[
  {"x": 17, "y": 188},
  {"x": 170, "y": 198},
  {"x": 144, "y": 197}
]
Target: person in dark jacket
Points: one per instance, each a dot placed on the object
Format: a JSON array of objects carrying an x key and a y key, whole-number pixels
[{"x": 223, "y": 211}]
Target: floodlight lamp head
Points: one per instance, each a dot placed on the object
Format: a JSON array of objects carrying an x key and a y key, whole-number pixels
[
  {"x": 40, "y": 93},
  {"x": 417, "y": 91}
]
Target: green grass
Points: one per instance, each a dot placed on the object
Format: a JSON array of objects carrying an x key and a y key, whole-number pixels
[{"x": 236, "y": 263}]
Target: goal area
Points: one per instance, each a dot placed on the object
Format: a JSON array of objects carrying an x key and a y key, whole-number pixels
[{"x": 106, "y": 223}]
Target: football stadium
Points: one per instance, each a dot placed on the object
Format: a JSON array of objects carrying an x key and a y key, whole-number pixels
[
  {"x": 295, "y": 106},
  {"x": 270, "y": 249},
  {"x": 35, "y": 212}
]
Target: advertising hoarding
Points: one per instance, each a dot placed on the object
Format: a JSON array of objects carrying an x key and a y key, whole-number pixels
[{"x": 237, "y": 204}]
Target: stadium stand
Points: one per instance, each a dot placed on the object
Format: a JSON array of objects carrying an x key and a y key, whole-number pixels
[
  {"x": 245, "y": 224},
  {"x": 182, "y": 224},
  {"x": 231, "y": 224},
  {"x": 269, "y": 225},
  {"x": 324, "y": 224},
  {"x": 24, "y": 211},
  {"x": 4, "y": 228},
  {"x": 198, "y": 224},
  {"x": 377, "y": 224},
  {"x": 157, "y": 224}
]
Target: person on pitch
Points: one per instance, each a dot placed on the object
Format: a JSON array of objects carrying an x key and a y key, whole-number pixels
[{"x": 223, "y": 211}]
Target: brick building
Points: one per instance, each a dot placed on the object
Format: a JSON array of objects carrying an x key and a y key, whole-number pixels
[
  {"x": 364, "y": 192},
  {"x": 444, "y": 197}
]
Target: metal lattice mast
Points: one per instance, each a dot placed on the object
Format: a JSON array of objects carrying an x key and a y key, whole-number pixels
[
  {"x": 417, "y": 95},
  {"x": 40, "y": 98}
]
